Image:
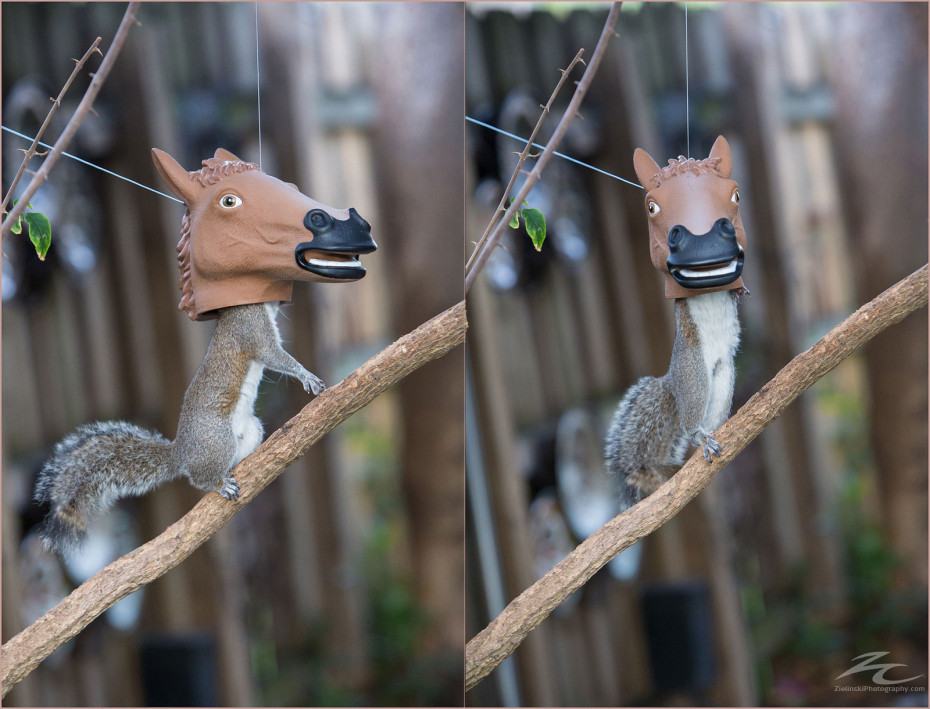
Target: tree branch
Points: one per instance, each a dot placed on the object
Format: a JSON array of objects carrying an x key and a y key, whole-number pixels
[
  {"x": 23, "y": 653},
  {"x": 41, "y": 175},
  {"x": 505, "y": 633},
  {"x": 486, "y": 246},
  {"x": 518, "y": 169},
  {"x": 56, "y": 104}
]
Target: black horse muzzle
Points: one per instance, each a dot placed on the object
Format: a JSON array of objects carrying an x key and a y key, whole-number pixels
[
  {"x": 705, "y": 260},
  {"x": 347, "y": 239}
]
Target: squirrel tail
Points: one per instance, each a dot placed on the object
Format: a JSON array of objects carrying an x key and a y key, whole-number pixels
[{"x": 93, "y": 467}]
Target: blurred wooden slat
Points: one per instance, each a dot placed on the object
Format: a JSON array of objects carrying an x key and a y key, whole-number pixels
[
  {"x": 509, "y": 499},
  {"x": 778, "y": 198}
]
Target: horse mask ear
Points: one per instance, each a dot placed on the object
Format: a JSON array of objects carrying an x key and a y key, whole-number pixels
[
  {"x": 223, "y": 154},
  {"x": 646, "y": 168},
  {"x": 176, "y": 176},
  {"x": 721, "y": 150}
]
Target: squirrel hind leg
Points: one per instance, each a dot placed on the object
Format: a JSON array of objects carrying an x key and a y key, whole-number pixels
[{"x": 206, "y": 454}]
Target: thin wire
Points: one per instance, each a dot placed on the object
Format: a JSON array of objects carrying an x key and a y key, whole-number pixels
[
  {"x": 96, "y": 167},
  {"x": 258, "y": 81},
  {"x": 687, "y": 87},
  {"x": 556, "y": 152},
  {"x": 139, "y": 184}
]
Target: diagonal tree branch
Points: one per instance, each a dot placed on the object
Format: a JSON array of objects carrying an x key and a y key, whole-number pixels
[
  {"x": 504, "y": 634},
  {"x": 489, "y": 241},
  {"x": 80, "y": 113},
  {"x": 23, "y": 652}
]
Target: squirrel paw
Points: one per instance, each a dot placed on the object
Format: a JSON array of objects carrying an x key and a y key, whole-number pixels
[
  {"x": 313, "y": 385},
  {"x": 230, "y": 489},
  {"x": 711, "y": 448}
]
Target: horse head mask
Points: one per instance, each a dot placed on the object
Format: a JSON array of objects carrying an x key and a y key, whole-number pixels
[
  {"x": 247, "y": 236},
  {"x": 696, "y": 236}
]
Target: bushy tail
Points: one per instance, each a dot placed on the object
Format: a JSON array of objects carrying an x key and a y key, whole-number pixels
[{"x": 93, "y": 467}]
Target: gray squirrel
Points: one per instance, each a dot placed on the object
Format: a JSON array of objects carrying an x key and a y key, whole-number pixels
[
  {"x": 245, "y": 237},
  {"x": 697, "y": 242},
  {"x": 101, "y": 462}
]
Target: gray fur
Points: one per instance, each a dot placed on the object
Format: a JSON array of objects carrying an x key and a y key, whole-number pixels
[
  {"x": 101, "y": 462},
  {"x": 658, "y": 419}
]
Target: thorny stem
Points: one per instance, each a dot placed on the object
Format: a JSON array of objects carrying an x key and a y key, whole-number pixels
[
  {"x": 56, "y": 104},
  {"x": 484, "y": 248},
  {"x": 523, "y": 155},
  {"x": 80, "y": 113}
]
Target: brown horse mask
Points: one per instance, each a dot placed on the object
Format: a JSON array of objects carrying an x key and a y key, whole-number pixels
[
  {"x": 247, "y": 236},
  {"x": 696, "y": 236}
]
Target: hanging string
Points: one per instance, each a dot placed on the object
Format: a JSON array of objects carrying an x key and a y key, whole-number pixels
[
  {"x": 96, "y": 167},
  {"x": 556, "y": 152},
  {"x": 258, "y": 81},
  {"x": 687, "y": 88}
]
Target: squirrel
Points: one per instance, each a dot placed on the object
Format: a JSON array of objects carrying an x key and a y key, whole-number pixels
[
  {"x": 245, "y": 238},
  {"x": 101, "y": 462},
  {"x": 660, "y": 418}
]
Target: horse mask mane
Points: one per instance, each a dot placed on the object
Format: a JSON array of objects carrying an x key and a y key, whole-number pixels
[
  {"x": 247, "y": 236},
  {"x": 696, "y": 235}
]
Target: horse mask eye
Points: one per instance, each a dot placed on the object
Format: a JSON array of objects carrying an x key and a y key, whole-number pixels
[{"x": 230, "y": 201}]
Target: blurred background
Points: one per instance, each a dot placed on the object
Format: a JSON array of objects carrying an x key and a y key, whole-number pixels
[
  {"x": 811, "y": 547},
  {"x": 342, "y": 584}
]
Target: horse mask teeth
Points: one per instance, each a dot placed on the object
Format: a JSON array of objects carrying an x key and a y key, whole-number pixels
[
  {"x": 696, "y": 235},
  {"x": 247, "y": 236}
]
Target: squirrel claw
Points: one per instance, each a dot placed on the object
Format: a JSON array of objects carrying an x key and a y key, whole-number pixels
[
  {"x": 314, "y": 386},
  {"x": 230, "y": 489},
  {"x": 711, "y": 448}
]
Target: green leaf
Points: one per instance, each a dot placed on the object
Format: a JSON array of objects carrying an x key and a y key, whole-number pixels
[
  {"x": 535, "y": 223},
  {"x": 515, "y": 221},
  {"x": 17, "y": 227},
  {"x": 40, "y": 232}
]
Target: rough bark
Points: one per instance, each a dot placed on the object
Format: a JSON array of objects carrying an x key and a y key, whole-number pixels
[
  {"x": 23, "y": 653},
  {"x": 505, "y": 633}
]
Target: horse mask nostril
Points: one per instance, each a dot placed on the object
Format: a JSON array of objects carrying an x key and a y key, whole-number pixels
[
  {"x": 675, "y": 236},
  {"x": 317, "y": 220},
  {"x": 725, "y": 227}
]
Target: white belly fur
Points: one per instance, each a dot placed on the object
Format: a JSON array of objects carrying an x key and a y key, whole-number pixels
[
  {"x": 717, "y": 322},
  {"x": 245, "y": 425}
]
